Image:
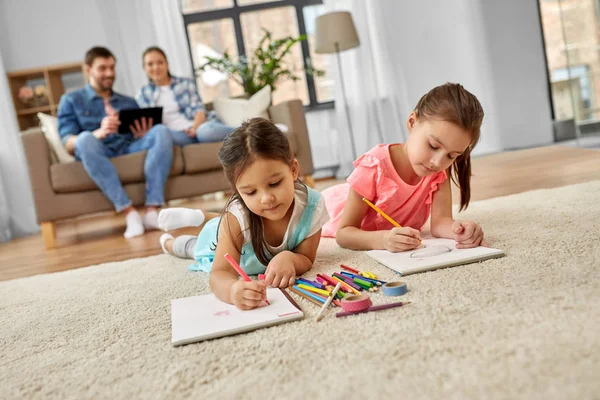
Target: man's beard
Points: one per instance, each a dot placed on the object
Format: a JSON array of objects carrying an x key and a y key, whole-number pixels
[{"x": 106, "y": 85}]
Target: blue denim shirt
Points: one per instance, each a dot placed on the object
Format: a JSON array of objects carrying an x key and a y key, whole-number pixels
[
  {"x": 83, "y": 110},
  {"x": 186, "y": 95}
]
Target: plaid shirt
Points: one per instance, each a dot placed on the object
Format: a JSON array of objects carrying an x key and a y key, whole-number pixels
[{"x": 186, "y": 95}]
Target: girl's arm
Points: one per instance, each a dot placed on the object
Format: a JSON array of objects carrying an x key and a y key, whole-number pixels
[
  {"x": 441, "y": 211},
  {"x": 224, "y": 280},
  {"x": 349, "y": 234},
  {"x": 285, "y": 266},
  {"x": 467, "y": 234}
]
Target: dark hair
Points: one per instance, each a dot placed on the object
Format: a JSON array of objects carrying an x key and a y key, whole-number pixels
[
  {"x": 158, "y": 50},
  {"x": 255, "y": 138},
  {"x": 451, "y": 102},
  {"x": 97, "y": 52}
]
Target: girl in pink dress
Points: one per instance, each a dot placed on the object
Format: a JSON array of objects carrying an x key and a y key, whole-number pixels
[{"x": 409, "y": 181}]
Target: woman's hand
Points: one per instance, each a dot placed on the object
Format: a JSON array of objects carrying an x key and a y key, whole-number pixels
[
  {"x": 468, "y": 234},
  {"x": 191, "y": 131},
  {"x": 248, "y": 295},
  {"x": 401, "y": 239},
  {"x": 281, "y": 272}
]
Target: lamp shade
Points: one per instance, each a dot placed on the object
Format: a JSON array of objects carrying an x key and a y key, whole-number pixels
[{"x": 335, "y": 28}]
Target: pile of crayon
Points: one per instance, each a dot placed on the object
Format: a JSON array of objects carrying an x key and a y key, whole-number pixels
[{"x": 352, "y": 282}]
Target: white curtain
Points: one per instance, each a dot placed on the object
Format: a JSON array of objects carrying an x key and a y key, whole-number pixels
[
  {"x": 132, "y": 26},
  {"x": 377, "y": 111},
  {"x": 17, "y": 211}
]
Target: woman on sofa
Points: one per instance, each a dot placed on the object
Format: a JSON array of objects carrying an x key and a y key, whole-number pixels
[{"x": 183, "y": 111}]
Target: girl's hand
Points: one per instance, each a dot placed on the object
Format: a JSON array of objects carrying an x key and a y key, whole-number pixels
[
  {"x": 402, "y": 239},
  {"x": 281, "y": 272},
  {"x": 468, "y": 234},
  {"x": 248, "y": 295}
]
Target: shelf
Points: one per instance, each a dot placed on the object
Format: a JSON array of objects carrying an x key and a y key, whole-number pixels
[
  {"x": 39, "y": 72},
  {"x": 35, "y": 110},
  {"x": 52, "y": 77}
]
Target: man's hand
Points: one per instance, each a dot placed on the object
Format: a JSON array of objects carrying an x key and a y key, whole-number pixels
[
  {"x": 110, "y": 124},
  {"x": 140, "y": 127}
]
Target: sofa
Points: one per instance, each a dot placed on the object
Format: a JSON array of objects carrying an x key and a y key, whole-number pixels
[{"x": 64, "y": 190}]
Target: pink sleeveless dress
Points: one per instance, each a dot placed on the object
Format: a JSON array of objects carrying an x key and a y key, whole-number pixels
[{"x": 375, "y": 178}]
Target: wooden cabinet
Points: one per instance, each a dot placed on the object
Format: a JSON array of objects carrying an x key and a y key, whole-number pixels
[{"x": 52, "y": 77}]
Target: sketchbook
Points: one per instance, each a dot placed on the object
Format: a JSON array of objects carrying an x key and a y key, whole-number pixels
[
  {"x": 436, "y": 253},
  {"x": 198, "y": 318}
]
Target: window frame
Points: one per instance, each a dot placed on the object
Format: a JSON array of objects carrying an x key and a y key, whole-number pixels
[{"x": 234, "y": 13}]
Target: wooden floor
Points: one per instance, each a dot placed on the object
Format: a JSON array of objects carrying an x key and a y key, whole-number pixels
[{"x": 98, "y": 239}]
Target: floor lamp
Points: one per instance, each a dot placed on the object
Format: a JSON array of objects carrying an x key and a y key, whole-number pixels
[{"x": 335, "y": 32}]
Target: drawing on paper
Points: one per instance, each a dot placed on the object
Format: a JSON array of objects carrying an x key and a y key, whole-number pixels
[{"x": 430, "y": 251}]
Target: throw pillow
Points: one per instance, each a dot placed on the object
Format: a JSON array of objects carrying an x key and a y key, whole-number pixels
[
  {"x": 50, "y": 129},
  {"x": 235, "y": 111}
]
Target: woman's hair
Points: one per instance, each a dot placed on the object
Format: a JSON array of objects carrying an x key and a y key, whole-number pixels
[
  {"x": 158, "y": 50},
  {"x": 453, "y": 103},
  {"x": 255, "y": 138}
]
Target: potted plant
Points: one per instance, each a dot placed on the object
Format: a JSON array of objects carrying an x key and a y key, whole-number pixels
[{"x": 266, "y": 65}]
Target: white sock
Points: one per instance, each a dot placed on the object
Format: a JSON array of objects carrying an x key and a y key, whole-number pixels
[
  {"x": 151, "y": 220},
  {"x": 163, "y": 238},
  {"x": 135, "y": 227},
  {"x": 173, "y": 218}
]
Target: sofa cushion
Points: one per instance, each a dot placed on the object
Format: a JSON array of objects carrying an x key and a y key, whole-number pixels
[
  {"x": 71, "y": 177},
  {"x": 202, "y": 157},
  {"x": 199, "y": 157}
]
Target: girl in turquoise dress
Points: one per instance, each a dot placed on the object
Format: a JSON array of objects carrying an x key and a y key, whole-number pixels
[{"x": 271, "y": 224}]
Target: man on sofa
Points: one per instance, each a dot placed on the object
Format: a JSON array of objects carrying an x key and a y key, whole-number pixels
[{"x": 88, "y": 123}]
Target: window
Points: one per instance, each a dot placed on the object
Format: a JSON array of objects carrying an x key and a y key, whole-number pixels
[
  {"x": 570, "y": 30},
  {"x": 236, "y": 27}
]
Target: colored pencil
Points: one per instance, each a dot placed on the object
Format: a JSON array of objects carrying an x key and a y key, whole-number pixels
[
  {"x": 359, "y": 281},
  {"x": 345, "y": 285},
  {"x": 347, "y": 268},
  {"x": 311, "y": 283},
  {"x": 384, "y": 215},
  {"x": 347, "y": 280},
  {"x": 373, "y": 308},
  {"x": 317, "y": 296},
  {"x": 311, "y": 288},
  {"x": 313, "y": 295},
  {"x": 373, "y": 281},
  {"x": 240, "y": 271},
  {"x": 333, "y": 282},
  {"x": 367, "y": 274},
  {"x": 322, "y": 310},
  {"x": 306, "y": 297}
]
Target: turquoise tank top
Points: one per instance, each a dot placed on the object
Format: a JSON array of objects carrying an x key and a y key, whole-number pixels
[{"x": 205, "y": 255}]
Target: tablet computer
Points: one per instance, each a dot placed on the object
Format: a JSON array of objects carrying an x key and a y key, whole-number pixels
[{"x": 129, "y": 115}]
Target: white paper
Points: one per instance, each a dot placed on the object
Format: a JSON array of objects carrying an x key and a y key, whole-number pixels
[
  {"x": 205, "y": 317},
  {"x": 437, "y": 253}
]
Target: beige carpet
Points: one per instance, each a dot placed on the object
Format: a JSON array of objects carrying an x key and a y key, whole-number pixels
[{"x": 524, "y": 326}]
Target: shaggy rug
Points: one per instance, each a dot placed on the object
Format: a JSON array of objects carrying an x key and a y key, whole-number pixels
[{"x": 523, "y": 326}]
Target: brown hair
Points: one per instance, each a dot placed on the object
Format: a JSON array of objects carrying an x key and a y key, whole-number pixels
[
  {"x": 97, "y": 52},
  {"x": 255, "y": 138},
  {"x": 158, "y": 50},
  {"x": 453, "y": 103}
]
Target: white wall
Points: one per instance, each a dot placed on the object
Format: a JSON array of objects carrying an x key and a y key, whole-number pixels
[
  {"x": 492, "y": 48},
  {"x": 518, "y": 69},
  {"x": 39, "y": 32}
]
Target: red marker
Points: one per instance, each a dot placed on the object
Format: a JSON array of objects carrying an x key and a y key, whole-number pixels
[{"x": 240, "y": 271}]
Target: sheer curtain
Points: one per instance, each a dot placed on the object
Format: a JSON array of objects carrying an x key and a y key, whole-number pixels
[
  {"x": 377, "y": 108},
  {"x": 132, "y": 26},
  {"x": 17, "y": 211}
]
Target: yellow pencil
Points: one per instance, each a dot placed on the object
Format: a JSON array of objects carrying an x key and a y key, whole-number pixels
[{"x": 384, "y": 215}]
